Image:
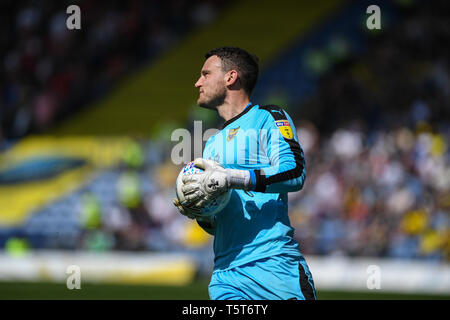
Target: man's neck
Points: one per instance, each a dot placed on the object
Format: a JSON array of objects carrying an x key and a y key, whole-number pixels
[{"x": 228, "y": 110}]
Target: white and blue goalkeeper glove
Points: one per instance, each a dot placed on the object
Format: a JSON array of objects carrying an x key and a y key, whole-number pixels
[
  {"x": 201, "y": 188},
  {"x": 181, "y": 209}
]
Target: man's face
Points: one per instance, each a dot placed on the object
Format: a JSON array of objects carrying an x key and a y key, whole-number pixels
[{"x": 211, "y": 84}]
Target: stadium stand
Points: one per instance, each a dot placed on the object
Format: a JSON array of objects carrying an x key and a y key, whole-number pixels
[
  {"x": 48, "y": 72},
  {"x": 382, "y": 148}
]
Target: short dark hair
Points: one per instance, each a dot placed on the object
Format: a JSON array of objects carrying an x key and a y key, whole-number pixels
[{"x": 237, "y": 58}]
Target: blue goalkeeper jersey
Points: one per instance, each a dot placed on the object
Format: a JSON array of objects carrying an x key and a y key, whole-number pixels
[{"x": 255, "y": 224}]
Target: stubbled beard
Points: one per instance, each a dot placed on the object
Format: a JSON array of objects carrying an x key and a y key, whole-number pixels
[{"x": 214, "y": 102}]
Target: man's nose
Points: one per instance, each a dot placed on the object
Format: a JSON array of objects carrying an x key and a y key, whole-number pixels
[{"x": 198, "y": 84}]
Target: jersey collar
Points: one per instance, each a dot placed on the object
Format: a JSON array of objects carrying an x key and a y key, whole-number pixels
[{"x": 246, "y": 109}]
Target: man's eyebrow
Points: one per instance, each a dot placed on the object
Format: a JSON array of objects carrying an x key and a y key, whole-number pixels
[{"x": 205, "y": 71}]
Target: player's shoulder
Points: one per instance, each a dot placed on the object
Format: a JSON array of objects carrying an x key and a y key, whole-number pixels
[{"x": 273, "y": 111}]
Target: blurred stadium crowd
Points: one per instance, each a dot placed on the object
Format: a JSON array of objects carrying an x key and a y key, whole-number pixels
[
  {"x": 377, "y": 145},
  {"x": 48, "y": 72},
  {"x": 375, "y": 136}
]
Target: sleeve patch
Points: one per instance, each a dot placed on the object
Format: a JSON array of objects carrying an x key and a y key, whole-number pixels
[{"x": 285, "y": 128}]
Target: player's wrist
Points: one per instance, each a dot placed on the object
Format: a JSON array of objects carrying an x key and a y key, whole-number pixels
[{"x": 238, "y": 179}]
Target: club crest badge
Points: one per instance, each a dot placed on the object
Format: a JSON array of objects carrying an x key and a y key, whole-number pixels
[
  {"x": 285, "y": 128},
  {"x": 232, "y": 133}
]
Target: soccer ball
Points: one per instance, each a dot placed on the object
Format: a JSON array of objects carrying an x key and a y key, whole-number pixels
[{"x": 217, "y": 204}]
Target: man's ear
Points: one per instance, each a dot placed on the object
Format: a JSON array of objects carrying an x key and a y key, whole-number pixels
[{"x": 231, "y": 77}]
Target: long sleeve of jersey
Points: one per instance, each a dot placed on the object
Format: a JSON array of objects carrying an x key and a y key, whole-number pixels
[{"x": 286, "y": 171}]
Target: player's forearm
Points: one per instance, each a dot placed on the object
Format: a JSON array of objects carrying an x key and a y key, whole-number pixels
[
  {"x": 279, "y": 179},
  {"x": 269, "y": 180},
  {"x": 286, "y": 173},
  {"x": 291, "y": 185}
]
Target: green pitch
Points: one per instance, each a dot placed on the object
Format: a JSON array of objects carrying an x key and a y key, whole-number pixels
[{"x": 195, "y": 291}]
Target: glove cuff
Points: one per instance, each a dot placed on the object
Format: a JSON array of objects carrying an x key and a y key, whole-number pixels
[{"x": 238, "y": 179}]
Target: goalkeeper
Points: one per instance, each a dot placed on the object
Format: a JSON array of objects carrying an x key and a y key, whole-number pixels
[{"x": 257, "y": 155}]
